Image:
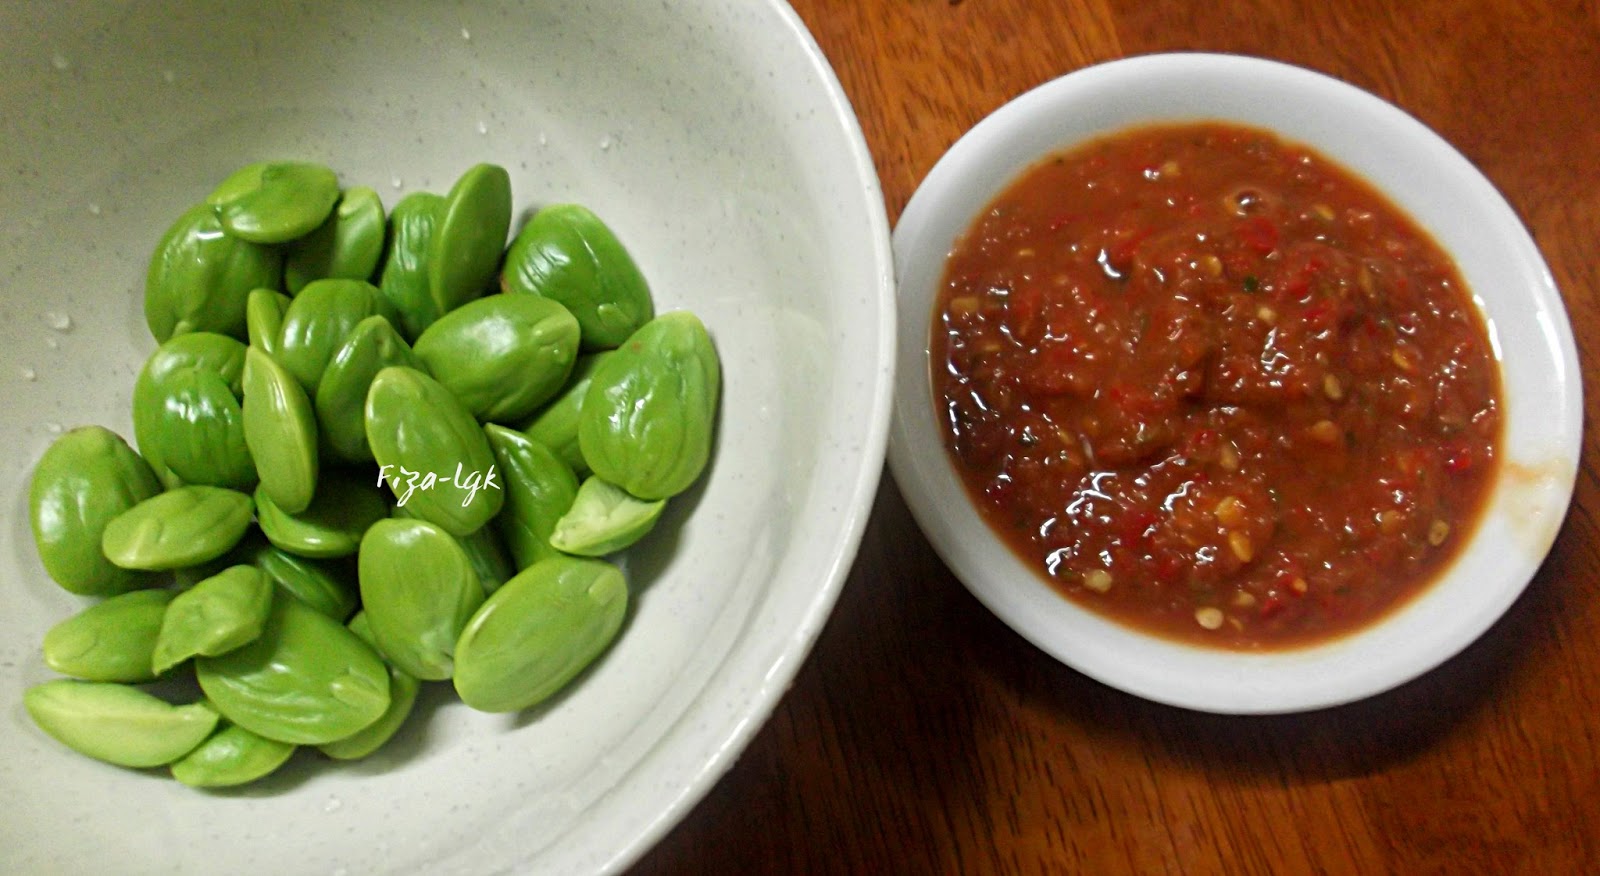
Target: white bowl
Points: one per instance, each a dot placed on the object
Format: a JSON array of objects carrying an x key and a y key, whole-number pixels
[
  {"x": 711, "y": 134},
  {"x": 1426, "y": 178}
]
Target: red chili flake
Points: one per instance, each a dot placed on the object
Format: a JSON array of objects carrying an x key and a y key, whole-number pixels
[
  {"x": 1120, "y": 253},
  {"x": 1136, "y": 526},
  {"x": 1271, "y": 607},
  {"x": 1320, "y": 313},
  {"x": 1459, "y": 460},
  {"x": 1259, "y": 234},
  {"x": 1168, "y": 568}
]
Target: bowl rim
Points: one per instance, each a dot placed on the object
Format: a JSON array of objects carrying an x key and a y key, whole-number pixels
[{"x": 1342, "y": 670}]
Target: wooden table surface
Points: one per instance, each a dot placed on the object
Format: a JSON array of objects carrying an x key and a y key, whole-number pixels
[{"x": 923, "y": 736}]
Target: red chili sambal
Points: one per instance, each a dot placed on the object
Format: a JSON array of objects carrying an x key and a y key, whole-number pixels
[{"x": 1216, "y": 387}]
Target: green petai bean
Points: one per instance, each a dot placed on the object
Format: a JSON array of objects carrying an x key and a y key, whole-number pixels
[
  {"x": 431, "y": 452},
  {"x": 372, "y": 346},
  {"x": 221, "y": 613},
  {"x": 346, "y": 245},
  {"x": 116, "y": 723},
  {"x": 404, "y": 278},
  {"x": 469, "y": 236},
  {"x": 539, "y": 489},
  {"x": 280, "y": 429},
  {"x": 306, "y": 680},
  {"x": 402, "y": 697},
  {"x": 566, "y": 253},
  {"x": 85, "y": 479},
  {"x": 319, "y": 320},
  {"x": 418, "y": 589},
  {"x": 537, "y": 632},
  {"x": 186, "y": 526},
  {"x": 199, "y": 278},
  {"x": 556, "y": 424},
  {"x": 263, "y": 319},
  {"x": 274, "y": 201},
  {"x": 650, "y": 410},
  {"x": 604, "y": 519},
  {"x": 229, "y": 757},
  {"x": 187, "y": 414},
  {"x": 502, "y": 355},
  {"x": 110, "y": 641},
  {"x": 332, "y": 525},
  {"x": 327, "y": 586}
]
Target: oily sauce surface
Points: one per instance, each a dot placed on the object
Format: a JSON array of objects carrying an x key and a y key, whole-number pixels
[{"x": 1214, "y": 386}]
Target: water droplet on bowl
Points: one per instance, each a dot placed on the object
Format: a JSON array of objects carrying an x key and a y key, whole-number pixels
[
  {"x": 94, "y": 209},
  {"x": 605, "y": 142},
  {"x": 53, "y": 428},
  {"x": 483, "y": 127},
  {"x": 397, "y": 182},
  {"x": 58, "y": 321},
  {"x": 29, "y": 374},
  {"x": 52, "y": 343},
  {"x": 542, "y": 140},
  {"x": 60, "y": 62},
  {"x": 168, "y": 76},
  {"x": 333, "y": 805}
]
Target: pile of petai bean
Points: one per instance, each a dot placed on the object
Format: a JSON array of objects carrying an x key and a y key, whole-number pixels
[{"x": 373, "y": 450}]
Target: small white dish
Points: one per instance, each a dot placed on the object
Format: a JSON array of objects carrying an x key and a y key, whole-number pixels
[
  {"x": 712, "y": 135},
  {"x": 1425, "y": 177}
]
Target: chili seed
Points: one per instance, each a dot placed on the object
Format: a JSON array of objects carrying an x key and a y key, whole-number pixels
[
  {"x": 1230, "y": 512},
  {"x": 1213, "y": 265},
  {"x": 1299, "y": 585},
  {"x": 1025, "y": 252},
  {"x": 1244, "y": 599},
  {"x": 1210, "y": 618},
  {"x": 1401, "y": 359},
  {"x": 1098, "y": 580},
  {"x": 1324, "y": 211},
  {"x": 1438, "y": 532},
  {"x": 966, "y": 305},
  {"x": 1332, "y": 388},
  {"x": 1227, "y": 457},
  {"x": 1325, "y": 431},
  {"x": 1365, "y": 280},
  {"x": 1267, "y": 315},
  {"x": 1170, "y": 168},
  {"x": 1391, "y": 522},
  {"x": 1241, "y": 546}
]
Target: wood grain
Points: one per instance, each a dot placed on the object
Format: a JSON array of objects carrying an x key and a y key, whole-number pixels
[{"x": 922, "y": 736}]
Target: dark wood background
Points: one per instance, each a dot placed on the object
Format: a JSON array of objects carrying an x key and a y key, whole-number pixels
[{"x": 922, "y": 736}]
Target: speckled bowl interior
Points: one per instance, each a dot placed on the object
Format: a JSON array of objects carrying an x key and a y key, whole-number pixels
[{"x": 710, "y": 134}]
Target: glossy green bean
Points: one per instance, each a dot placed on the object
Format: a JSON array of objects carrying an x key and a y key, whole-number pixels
[
  {"x": 116, "y": 723},
  {"x": 568, "y": 254},
  {"x": 88, "y": 477},
  {"x": 418, "y": 589},
  {"x": 306, "y": 680},
  {"x": 431, "y": 451},
  {"x": 274, "y": 201},
  {"x": 539, "y": 489},
  {"x": 347, "y": 245},
  {"x": 538, "y": 632},
  {"x": 182, "y": 527},
  {"x": 199, "y": 278},
  {"x": 649, "y": 413},
  {"x": 221, "y": 613},
  {"x": 503, "y": 355},
  {"x": 110, "y": 641},
  {"x": 280, "y": 429}
]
